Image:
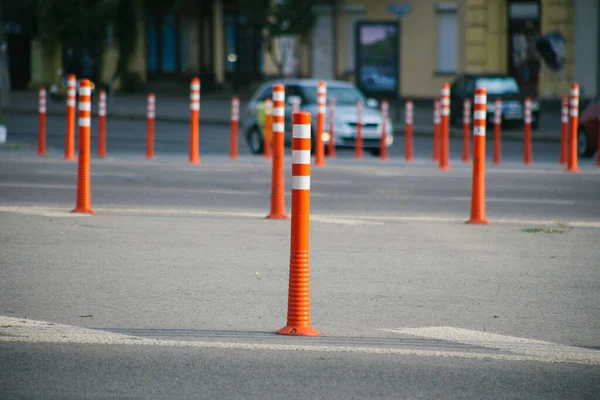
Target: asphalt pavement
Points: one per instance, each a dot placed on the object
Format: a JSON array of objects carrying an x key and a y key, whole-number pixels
[{"x": 174, "y": 289}]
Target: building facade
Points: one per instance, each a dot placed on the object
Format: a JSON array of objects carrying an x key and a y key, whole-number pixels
[{"x": 406, "y": 48}]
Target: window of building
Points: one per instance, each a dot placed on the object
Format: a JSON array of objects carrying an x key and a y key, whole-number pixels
[{"x": 447, "y": 35}]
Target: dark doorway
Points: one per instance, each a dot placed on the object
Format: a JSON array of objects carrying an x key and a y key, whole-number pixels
[
  {"x": 19, "y": 60},
  {"x": 524, "y": 63}
]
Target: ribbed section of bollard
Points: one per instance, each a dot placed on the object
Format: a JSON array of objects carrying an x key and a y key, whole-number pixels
[
  {"x": 331, "y": 145},
  {"x": 102, "y": 124},
  {"x": 478, "y": 185},
  {"x": 194, "y": 151},
  {"x": 358, "y": 143},
  {"x": 408, "y": 138},
  {"x": 84, "y": 199},
  {"x": 150, "y": 115},
  {"x": 564, "y": 126},
  {"x": 71, "y": 101},
  {"x": 235, "y": 117},
  {"x": 497, "y": 159},
  {"x": 437, "y": 121},
  {"x": 298, "y": 315},
  {"x": 527, "y": 145},
  {"x": 321, "y": 106},
  {"x": 574, "y": 121},
  {"x": 466, "y": 151},
  {"x": 268, "y": 135},
  {"x": 445, "y": 129},
  {"x": 41, "y": 151},
  {"x": 277, "y": 176}
]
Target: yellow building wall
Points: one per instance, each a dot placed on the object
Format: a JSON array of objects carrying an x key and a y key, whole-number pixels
[
  {"x": 46, "y": 59},
  {"x": 219, "y": 45},
  {"x": 558, "y": 15}
]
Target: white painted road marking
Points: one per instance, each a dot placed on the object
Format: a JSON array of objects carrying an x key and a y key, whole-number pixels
[
  {"x": 552, "y": 352},
  {"x": 29, "y": 331}
]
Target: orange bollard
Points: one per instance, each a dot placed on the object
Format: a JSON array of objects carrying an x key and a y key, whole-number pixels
[
  {"x": 574, "y": 112},
  {"x": 194, "y": 154},
  {"x": 408, "y": 120},
  {"x": 277, "y": 177},
  {"x": 385, "y": 111},
  {"x": 466, "y": 156},
  {"x": 445, "y": 131},
  {"x": 478, "y": 188},
  {"x": 268, "y": 135},
  {"x": 42, "y": 122},
  {"x": 102, "y": 124},
  {"x": 564, "y": 126},
  {"x": 298, "y": 314},
  {"x": 70, "y": 139},
  {"x": 358, "y": 145},
  {"x": 150, "y": 114},
  {"x": 437, "y": 120},
  {"x": 527, "y": 147},
  {"x": 84, "y": 200},
  {"x": 321, "y": 101},
  {"x": 497, "y": 131},
  {"x": 235, "y": 116},
  {"x": 331, "y": 151}
]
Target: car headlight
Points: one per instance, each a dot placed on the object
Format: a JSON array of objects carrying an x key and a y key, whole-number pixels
[
  {"x": 325, "y": 136},
  {"x": 389, "y": 140}
]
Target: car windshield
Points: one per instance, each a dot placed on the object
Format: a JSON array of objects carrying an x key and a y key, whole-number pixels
[
  {"x": 498, "y": 85},
  {"x": 342, "y": 95}
]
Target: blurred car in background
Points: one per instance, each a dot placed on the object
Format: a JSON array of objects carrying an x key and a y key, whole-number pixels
[
  {"x": 589, "y": 123},
  {"x": 346, "y": 97},
  {"x": 500, "y": 86}
]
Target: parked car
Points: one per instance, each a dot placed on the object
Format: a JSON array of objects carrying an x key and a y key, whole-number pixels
[
  {"x": 500, "y": 86},
  {"x": 587, "y": 136},
  {"x": 346, "y": 96}
]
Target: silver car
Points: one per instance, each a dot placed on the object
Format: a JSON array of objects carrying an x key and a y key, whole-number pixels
[{"x": 346, "y": 97}]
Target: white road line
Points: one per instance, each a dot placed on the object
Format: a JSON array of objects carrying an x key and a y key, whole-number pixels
[
  {"x": 37, "y": 185},
  {"x": 29, "y": 331},
  {"x": 551, "y": 352}
]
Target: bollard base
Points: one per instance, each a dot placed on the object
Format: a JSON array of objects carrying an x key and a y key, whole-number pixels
[
  {"x": 573, "y": 170},
  {"x": 197, "y": 162},
  {"x": 445, "y": 168},
  {"x": 84, "y": 211},
  {"x": 298, "y": 331},
  {"x": 320, "y": 165},
  {"x": 277, "y": 216},
  {"x": 478, "y": 221}
]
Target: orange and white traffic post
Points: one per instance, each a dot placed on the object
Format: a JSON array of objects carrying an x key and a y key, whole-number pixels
[
  {"x": 385, "y": 112},
  {"x": 445, "y": 111},
  {"x": 574, "y": 121},
  {"x": 150, "y": 115},
  {"x": 331, "y": 144},
  {"x": 437, "y": 121},
  {"x": 235, "y": 117},
  {"x": 70, "y": 138},
  {"x": 564, "y": 126},
  {"x": 277, "y": 176},
  {"x": 84, "y": 199},
  {"x": 42, "y": 122},
  {"x": 268, "y": 135},
  {"x": 408, "y": 122},
  {"x": 358, "y": 143},
  {"x": 321, "y": 104},
  {"x": 478, "y": 188},
  {"x": 102, "y": 124},
  {"x": 527, "y": 146},
  {"x": 497, "y": 131},
  {"x": 466, "y": 156},
  {"x": 298, "y": 314},
  {"x": 194, "y": 153}
]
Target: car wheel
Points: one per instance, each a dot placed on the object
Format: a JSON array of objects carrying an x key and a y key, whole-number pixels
[
  {"x": 375, "y": 152},
  {"x": 535, "y": 125},
  {"x": 255, "y": 141},
  {"x": 584, "y": 148}
]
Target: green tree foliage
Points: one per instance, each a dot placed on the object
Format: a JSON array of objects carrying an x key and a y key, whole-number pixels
[{"x": 276, "y": 18}]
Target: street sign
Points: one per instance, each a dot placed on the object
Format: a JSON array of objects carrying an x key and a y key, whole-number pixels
[{"x": 399, "y": 9}]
